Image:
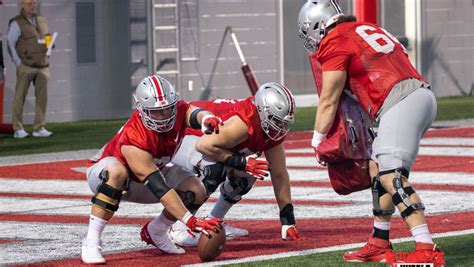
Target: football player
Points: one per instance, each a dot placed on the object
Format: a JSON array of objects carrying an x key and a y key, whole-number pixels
[
  {"x": 375, "y": 67},
  {"x": 252, "y": 126},
  {"x": 131, "y": 167}
]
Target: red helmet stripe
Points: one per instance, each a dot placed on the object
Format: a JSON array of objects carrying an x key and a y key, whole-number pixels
[{"x": 158, "y": 88}]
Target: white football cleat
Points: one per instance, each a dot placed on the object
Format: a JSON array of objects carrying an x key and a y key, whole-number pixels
[
  {"x": 181, "y": 235},
  {"x": 91, "y": 253},
  {"x": 231, "y": 231},
  {"x": 161, "y": 240}
]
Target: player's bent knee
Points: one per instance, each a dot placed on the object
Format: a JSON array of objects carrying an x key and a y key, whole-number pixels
[
  {"x": 196, "y": 186},
  {"x": 235, "y": 187},
  {"x": 117, "y": 176},
  {"x": 379, "y": 191},
  {"x": 402, "y": 193},
  {"x": 214, "y": 175},
  {"x": 112, "y": 195}
]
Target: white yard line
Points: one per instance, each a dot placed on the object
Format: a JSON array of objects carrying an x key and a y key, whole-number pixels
[{"x": 47, "y": 157}]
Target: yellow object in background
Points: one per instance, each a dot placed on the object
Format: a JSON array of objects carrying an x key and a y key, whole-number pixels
[{"x": 47, "y": 38}]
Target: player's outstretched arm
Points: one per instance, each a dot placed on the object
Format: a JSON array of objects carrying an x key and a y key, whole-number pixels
[
  {"x": 217, "y": 146},
  {"x": 282, "y": 188},
  {"x": 142, "y": 165}
]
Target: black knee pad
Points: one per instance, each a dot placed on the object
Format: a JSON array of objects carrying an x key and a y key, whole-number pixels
[
  {"x": 109, "y": 191},
  {"x": 235, "y": 187},
  {"x": 189, "y": 199},
  {"x": 377, "y": 192},
  {"x": 214, "y": 175}
]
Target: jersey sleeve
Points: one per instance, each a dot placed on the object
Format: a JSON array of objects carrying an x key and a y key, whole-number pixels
[{"x": 334, "y": 52}]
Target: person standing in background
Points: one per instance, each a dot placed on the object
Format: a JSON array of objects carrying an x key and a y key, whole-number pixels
[{"x": 27, "y": 48}]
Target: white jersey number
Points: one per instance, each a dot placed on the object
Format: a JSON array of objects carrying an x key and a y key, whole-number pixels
[{"x": 378, "y": 41}]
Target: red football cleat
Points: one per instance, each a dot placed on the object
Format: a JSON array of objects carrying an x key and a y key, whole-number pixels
[
  {"x": 426, "y": 253},
  {"x": 373, "y": 251}
]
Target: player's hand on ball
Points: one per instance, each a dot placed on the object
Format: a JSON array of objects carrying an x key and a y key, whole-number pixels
[
  {"x": 290, "y": 233},
  {"x": 204, "y": 226}
]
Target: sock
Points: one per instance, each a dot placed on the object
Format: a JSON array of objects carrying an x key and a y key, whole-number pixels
[
  {"x": 381, "y": 230},
  {"x": 421, "y": 233},
  {"x": 221, "y": 208},
  {"x": 160, "y": 224},
  {"x": 96, "y": 227}
]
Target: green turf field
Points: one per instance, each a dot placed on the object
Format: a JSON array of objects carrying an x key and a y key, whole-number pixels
[
  {"x": 458, "y": 252},
  {"x": 94, "y": 134}
]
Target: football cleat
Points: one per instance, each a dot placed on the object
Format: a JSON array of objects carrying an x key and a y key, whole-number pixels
[
  {"x": 372, "y": 251},
  {"x": 425, "y": 253},
  {"x": 160, "y": 240},
  {"x": 91, "y": 252},
  {"x": 184, "y": 237},
  {"x": 231, "y": 232}
]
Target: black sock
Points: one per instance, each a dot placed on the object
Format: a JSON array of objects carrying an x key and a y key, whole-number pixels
[{"x": 382, "y": 234}]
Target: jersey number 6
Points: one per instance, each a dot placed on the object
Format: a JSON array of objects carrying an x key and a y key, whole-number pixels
[{"x": 382, "y": 43}]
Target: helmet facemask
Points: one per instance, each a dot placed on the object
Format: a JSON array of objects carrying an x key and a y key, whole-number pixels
[
  {"x": 275, "y": 127},
  {"x": 151, "y": 119}
]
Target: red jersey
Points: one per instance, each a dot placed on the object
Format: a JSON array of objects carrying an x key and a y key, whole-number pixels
[
  {"x": 374, "y": 60},
  {"x": 258, "y": 141},
  {"x": 161, "y": 146}
]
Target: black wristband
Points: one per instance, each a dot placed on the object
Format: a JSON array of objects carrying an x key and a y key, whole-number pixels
[
  {"x": 193, "y": 119},
  {"x": 287, "y": 217},
  {"x": 236, "y": 162}
]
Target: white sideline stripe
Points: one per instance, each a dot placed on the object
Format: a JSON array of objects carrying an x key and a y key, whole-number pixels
[
  {"x": 425, "y": 151},
  {"x": 454, "y": 141},
  {"x": 359, "y": 205},
  {"x": 318, "y": 250},
  {"x": 47, "y": 157}
]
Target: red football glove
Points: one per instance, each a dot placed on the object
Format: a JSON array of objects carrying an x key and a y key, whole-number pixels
[
  {"x": 255, "y": 167},
  {"x": 210, "y": 124},
  {"x": 204, "y": 226},
  {"x": 290, "y": 233}
]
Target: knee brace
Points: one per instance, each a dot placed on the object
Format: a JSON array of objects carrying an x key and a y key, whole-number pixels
[
  {"x": 156, "y": 183},
  {"x": 235, "y": 187},
  {"x": 402, "y": 194},
  {"x": 189, "y": 198},
  {"x": 109, "y": 191},
  {"x": 214, "y": 175},
  {"x": 377, "y": 192}
]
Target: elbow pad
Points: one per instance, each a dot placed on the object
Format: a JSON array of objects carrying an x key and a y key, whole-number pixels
[{"x": 156, "y": 183}]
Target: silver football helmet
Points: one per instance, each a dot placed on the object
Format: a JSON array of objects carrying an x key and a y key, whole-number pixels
[
  {"x": 156, "y": 100},
  {"x": 313, "y": 19},
  {"x": 276, "y": 106}
]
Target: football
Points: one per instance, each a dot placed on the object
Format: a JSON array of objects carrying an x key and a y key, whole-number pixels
[{"x": 211, "y": 247}]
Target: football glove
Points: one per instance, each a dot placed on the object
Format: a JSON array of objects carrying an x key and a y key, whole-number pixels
[
  {"x": 204, "y": 226},
  {"x": 210, "y": 124},
  {"x": 255, "y": 167}
]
